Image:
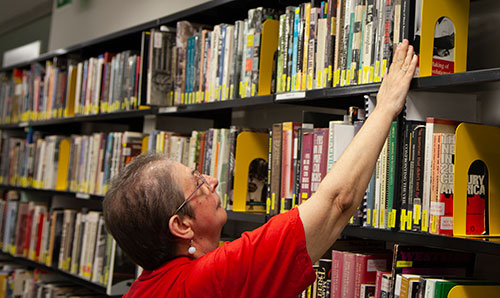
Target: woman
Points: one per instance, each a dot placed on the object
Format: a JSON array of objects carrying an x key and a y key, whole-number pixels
[{"x": 168, "y": 218}]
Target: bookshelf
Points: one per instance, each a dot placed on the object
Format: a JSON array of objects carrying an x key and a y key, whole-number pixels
[
  {"x": 73, "y": 278},
  {"x": 470, "y": 82}
]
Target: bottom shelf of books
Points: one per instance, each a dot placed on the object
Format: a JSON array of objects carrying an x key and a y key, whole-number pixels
[{"x": 68, "y": 240}]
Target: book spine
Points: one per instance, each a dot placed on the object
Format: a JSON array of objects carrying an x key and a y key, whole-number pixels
[
  {"x": 418, "y": 176},
  {"x": 435, "y": 210},
  {"x": 445, "y": 185},
  {"x": 295, "y": 48},
  {"x": 306, "y": 165},
  {"x": 337, "y": 273},
  {"x": 276, "y": 169}
]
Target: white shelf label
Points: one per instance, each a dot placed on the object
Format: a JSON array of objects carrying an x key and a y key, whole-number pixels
[
  {"x": 291, "y": 95},
  {"x": 81, "y": 195},
  {"x": 168, "y": 110},
  {"x": 23, "y": 124}
]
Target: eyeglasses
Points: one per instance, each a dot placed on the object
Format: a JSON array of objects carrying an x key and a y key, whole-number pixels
[{"x": 200, "y": 181}]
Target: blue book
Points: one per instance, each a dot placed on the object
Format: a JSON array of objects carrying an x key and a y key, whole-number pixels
[{"x": 295, "y": 48}]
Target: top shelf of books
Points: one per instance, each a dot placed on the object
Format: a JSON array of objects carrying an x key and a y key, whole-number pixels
[{"x": 208, "y": 57}]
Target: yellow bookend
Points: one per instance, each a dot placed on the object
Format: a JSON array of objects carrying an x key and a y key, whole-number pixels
[
  {"x": 476, "y": 177},
  {"x": 457, "y": 14},
  {"x": 250, "y": 146}
]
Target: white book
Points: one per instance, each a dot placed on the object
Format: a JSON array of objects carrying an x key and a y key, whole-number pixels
[
  {"x": 90, "y": 86},
  {"x": 97, "y": 85},
  {"x": 431, "y": 128},
  {"x": 223, "y": 162},
  {"x": 49, "y": 163},
  {"x": 193, "y": 142},
  {"x": 88, "y": 244},
  {"x": 331, "y": 131},
  {"x": 215, "y": 152},
  {"x": 228, "y": 53},
  {"x": 342, "y": 137},
  {"x": 320, "y": 53},
  {"x": 41, "y": 145}
]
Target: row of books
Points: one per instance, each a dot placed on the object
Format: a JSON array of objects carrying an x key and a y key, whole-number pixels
[
  {"x": 78, "y": 163},
  {"x": 210, "y": 65},
  {"x": 337, "y": 43},
  {"x": 301, "y": 155},
  {"x": 365, "y": 269},
  {"x": 411, "y": 188},
  {"x": 70, "y": 240},
  {"x": 68, "y": 86},
  {"x": 20, "y": 281},
  {"x": 87, "y": 163},
  {"x": 414, "y": 188},
  {"x": 340, "y": 43}
]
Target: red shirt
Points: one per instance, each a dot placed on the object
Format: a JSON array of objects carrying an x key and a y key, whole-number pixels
[{"x": 271, "y": 261}]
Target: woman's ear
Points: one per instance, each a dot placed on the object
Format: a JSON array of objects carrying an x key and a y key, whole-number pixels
[{"x": 181, "y": 226}]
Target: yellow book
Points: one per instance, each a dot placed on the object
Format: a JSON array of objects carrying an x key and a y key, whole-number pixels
[{"x": 63, "y": 164}]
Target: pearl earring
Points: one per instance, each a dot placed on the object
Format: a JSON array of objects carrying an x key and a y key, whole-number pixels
[{"x": 191, "y": 249}]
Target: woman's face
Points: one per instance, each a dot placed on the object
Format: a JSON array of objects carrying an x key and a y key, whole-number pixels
[{"x": 209, "y": 215}]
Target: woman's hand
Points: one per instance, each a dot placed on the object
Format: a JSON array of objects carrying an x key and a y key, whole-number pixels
[{"x": 391, "y": 96}]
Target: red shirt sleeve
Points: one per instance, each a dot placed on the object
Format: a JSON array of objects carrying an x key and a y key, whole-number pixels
[{"x": 271, "y": 261}]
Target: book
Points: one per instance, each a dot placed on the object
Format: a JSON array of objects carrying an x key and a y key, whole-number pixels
[
  {"x": 324, "y": 275},
  {"x": 319, "y": 158},
  {"x": 289, "y": 131},
  {"x": 276, "y": 151},
  {"x": 433, "y": 125},
  {"x": 160, "y": 78}
]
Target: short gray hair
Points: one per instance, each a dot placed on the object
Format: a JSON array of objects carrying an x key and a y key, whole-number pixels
[{"x": 138, "y": 206}]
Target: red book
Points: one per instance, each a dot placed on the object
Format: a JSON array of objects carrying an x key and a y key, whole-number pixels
[
  {"x": 336, "y": 284},
  {"x": 320, "y": 157},
  {"x": 27, "y": 236},
  {"x": 348, "y": 275},
  {"x": 306, "y": 165},
  {"x": 201, "y": 156},
  {"x": 289, "y": 131},
  {"x": 378, "y": 282},
  {"x": 22, "y": 218},
  {"x": 39, "y": 235}
]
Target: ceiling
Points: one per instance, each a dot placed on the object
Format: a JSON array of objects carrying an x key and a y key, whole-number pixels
[{"x": 15, "y": 13}]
